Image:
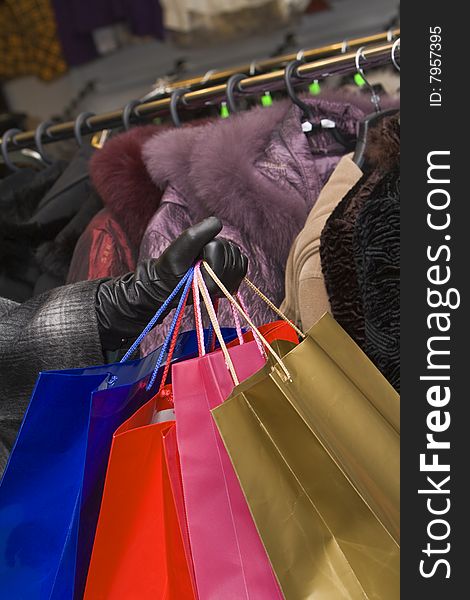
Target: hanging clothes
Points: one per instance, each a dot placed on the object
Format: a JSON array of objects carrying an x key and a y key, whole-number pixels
[
  {"x": 54, "y": 257},
  {"x": 336, "y": 242},
  {"x": 306, "y": 296},
  {"x": 29, "y": 335},
  {"x": 44, "y": 215},
  {"x": 376, "y": 243},
  {"x": 337, "y": 259},
  {"x": 110, "y": 244},
  {"x": 103, "y": 250},
  {"x": 20, "y": 195},
  {"x": 259, "y": 174},
  {"x": 64, "y": 212},
  {"x": 65, "y": 197},
  {"x": 28, "y": 40}
]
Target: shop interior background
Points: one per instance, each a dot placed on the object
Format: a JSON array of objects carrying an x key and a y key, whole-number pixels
[{"x": 130, "y": 66}]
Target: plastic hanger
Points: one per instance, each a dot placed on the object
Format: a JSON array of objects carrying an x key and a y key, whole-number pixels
[
  {"x": 9, "y": 134},
  {"x": 26, "y": 157},
  {"x": 41, "y": 130},
  {"x": 372, "y": 120},
  {"x": 80, "y": 121},
  {"x": 396, "y": 44},
  {"x": 232, "y": 87},
  {"x": 128, "y": 112},
  {"x": 101, "y": 137},
  {"x": 310, "y": 123},
  {"x": 174, "y": 99}
]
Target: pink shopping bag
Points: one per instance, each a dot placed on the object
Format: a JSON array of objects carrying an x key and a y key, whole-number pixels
[{"x": 230, "y": 562}]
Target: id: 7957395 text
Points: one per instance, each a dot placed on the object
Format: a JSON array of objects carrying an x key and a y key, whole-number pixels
[{"x": 435, "y": 66}]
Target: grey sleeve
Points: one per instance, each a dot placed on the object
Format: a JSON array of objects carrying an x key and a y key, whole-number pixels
[
  {"x": 6, "y": 306},
  {"x": 56, "y": 330}
]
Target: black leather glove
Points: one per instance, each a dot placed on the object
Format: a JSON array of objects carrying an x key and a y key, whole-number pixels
[{"x": 126, "y": 304}]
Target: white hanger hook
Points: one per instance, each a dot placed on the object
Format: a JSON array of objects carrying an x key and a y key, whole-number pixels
[
  {"x": 374, "y": 97},
  {"x": 208, "y": 75},
  {"x": 396, "y": 44}
]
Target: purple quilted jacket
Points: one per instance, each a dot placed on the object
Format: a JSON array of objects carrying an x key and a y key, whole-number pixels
[{"x": 259, "y": 174}]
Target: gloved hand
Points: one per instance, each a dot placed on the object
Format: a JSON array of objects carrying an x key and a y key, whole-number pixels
[{"x": 126, "y": 304}]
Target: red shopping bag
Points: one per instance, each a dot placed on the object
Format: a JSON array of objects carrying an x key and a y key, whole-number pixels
[
  {"x": 277, "y": 330},
  {"x": 138, "y": 550},
  {"x": 173, "y": 463}
]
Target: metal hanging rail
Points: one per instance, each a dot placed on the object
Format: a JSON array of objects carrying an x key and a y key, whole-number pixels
[
  {"x": 277, "y": 62},
  {"x": 338, "y": 65}
]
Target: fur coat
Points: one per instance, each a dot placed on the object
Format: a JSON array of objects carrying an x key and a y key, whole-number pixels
[
  {"x": 257, "y": 172},
  {"x": 339, "y": 265}
]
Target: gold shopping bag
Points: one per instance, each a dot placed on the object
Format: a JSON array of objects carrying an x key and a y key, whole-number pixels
[{"x": 314, "y": 439}]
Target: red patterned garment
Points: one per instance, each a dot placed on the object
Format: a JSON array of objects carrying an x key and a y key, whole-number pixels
[{"x": 110, "y": 244}]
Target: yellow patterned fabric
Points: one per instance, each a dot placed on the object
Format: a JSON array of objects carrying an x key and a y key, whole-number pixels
[{"x": 28, "y": 40}]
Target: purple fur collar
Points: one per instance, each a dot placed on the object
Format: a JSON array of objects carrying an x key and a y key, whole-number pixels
[{"x": 226, "y": 167}]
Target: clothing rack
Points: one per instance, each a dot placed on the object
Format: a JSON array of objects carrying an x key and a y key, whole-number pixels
[
  {"x": 343, "y": 64},
  {"x": 258, "y": 67}
]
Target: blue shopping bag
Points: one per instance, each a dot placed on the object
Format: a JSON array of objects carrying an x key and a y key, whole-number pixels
[{"x": 51, "y": 489}]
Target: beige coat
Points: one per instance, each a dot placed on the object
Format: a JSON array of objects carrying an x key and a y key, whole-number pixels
[{"x": 306, "y": 297}]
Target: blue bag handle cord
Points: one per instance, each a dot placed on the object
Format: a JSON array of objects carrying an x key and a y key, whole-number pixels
[
  {"x": 188, "y": 277},
  {"x": 171, "y": 331}
]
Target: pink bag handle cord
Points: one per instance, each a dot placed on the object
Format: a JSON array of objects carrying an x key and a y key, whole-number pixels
[
  {"x": 199, "y": 325},
  {"x": 199, "y": 278},
  {"x": 198, "y": 322}
]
